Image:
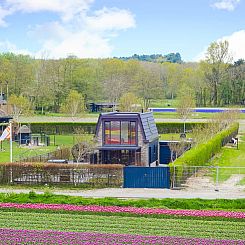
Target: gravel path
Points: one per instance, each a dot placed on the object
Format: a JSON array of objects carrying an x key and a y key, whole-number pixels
[{"x": 143, "y": 193}]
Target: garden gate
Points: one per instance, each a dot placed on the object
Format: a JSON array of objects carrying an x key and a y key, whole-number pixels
[{"x": 146, "y": 177}]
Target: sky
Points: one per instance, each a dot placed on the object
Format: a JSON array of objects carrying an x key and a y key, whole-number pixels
[{"x": 116, "y": 28}]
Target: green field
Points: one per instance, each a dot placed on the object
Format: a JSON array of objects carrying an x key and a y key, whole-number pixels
[
  {"x": 22, "y": 151},
  {"x": 219, "y": 229},
  {"x": 231, "y": 157},
  {"x": 167, "y": 203}
]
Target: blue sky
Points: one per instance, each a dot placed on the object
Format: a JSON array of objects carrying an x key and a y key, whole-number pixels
[{"x": 107, "y": 28}]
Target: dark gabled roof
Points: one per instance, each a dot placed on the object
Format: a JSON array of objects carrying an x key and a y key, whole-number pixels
[
  {"x": 5, "y": 119},
  {"x": 24, "y": 130},
  {"x": 146, "y": 121},
  {"x": 149, "y": 126}
]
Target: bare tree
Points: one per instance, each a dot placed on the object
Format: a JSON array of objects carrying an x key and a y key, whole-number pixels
[
  {"x": 177, "y": 148},
  {"x": 83, "y": 147},
  {"x": 186, "y": 103}
]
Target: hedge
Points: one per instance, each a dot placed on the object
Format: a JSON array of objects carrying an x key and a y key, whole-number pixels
[
  {"x": 61, "y": 127},
  {"x": 69, "y": 174},
  {"x": 201, "y": 154},
  {"x": 89, "y": 127}
]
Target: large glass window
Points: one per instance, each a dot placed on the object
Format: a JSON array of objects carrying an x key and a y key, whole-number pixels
[
  {"x": 132, "y": 133},
  {"x": 115, "y": 132},
  {"x": 120, "y": 133},
  {"x": 107, "y": 133},
  {"x": 125, "y": 139}
]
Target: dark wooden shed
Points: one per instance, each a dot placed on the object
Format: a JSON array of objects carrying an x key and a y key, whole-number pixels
[{"x": 24, "y": 135}]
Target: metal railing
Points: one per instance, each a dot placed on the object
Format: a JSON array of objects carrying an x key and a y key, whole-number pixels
[{"x": 207, "y": 177}]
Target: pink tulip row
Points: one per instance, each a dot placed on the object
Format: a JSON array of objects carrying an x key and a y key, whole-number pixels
[
  {"x": 11, "y": 236},
  {"x": 132, "y": 210}
]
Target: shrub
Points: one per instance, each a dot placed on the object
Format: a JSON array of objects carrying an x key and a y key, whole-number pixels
[
  {"x": 69, "y": 174},
  {"x": 201, "y": 154}
]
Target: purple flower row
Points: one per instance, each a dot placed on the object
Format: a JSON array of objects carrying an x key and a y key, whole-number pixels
[
  {"x": 11, "y": 236},
  {"x": 133, "y": 210}
]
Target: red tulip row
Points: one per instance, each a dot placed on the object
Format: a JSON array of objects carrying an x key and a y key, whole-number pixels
[
  {"x": 132, "y": 210},
  {"x": 11, "y": 236}
]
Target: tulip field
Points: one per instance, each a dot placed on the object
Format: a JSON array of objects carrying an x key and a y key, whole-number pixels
[{"x": 37, "y": 223}]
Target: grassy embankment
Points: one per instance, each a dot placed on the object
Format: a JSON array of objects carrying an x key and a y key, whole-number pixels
[
  {"x": 231, "y": 157},
  {"x": 168, "y": 203}
]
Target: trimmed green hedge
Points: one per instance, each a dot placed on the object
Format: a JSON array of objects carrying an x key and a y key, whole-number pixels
[
  {"x": 62, "y": 127},
  {"x": 176, "y": 127},
  {"x": 201, "y": 154},
  {"x": 89, "y": 127}
]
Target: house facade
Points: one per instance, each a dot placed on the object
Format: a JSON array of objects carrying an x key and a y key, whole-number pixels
[{"x": 127, "y": 138}]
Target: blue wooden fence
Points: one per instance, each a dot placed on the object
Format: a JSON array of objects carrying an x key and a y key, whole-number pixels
[{"x": 146, "y": 177}]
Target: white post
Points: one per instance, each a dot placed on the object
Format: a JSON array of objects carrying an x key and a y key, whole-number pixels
[
  {"x": 217, "y": 179},
  {"x": 11, "y": 144},
  {"x": 20, "y": 134},
  {"x": 11, "y": 153}
]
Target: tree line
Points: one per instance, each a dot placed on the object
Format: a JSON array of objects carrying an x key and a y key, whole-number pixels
[{"x": 47, "y": 83}]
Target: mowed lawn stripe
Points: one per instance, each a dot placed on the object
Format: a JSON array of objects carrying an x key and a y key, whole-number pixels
[{"x": 124, "y": 225}]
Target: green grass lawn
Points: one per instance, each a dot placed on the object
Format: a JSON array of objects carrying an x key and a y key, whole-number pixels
[
  {"x": 195, "y": 115},
  {"x": 22, "y": 151},
  {"x": 231, "y": 157},
  {"x": 173, "y": 136},
  {"x": 166, "y": 203},
  {"x": 164, "y": 103},
  {"x": 25, "y": 151},
  {"x": 219, "y": 229}
]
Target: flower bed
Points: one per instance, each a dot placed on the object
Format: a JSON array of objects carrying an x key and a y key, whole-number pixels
[
  {"x": 132, "y": 210},
  {"x": 11, "y": 236}
]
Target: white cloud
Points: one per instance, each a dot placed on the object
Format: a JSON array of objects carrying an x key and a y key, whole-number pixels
[
  {"x": 111, "y": 19},
  {"x": 82, "y": 44},
  {"x": 3, "y": 13},
  {"x": 228, "y": 5},
  {"x": 6, "y": 46},
  {"x": 236, "y": 46},
  {"x": 66, "y": 8},
  {"x": 78, "y": 31}
]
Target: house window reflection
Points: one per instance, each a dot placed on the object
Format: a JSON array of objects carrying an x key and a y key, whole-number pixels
[{"x": 119, "y": 133}]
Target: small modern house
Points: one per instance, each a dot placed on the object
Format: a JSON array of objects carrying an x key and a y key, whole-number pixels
[
  {"x": 127, "y": 138},
  {"x": 24, "y": 135},
  {"x": 100, "y": 107}
]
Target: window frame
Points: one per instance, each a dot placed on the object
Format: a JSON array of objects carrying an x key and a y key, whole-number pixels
[{"x": 120, "y": 130}]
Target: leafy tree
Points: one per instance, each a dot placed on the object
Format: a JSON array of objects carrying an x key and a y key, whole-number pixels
[
  {"x": 73, "y": 104},
  {"x": 215, "y": 66},
  {"x": 129, "y": 102},
  {"x": 20, "y": 105},
  {"x": 147, "y": 84},
  {"x": 172, "y": 77}
]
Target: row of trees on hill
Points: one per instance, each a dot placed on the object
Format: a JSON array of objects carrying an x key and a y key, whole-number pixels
[
  {"x": 48, "y": 84},
  {"x": 158, "y": 58}
]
